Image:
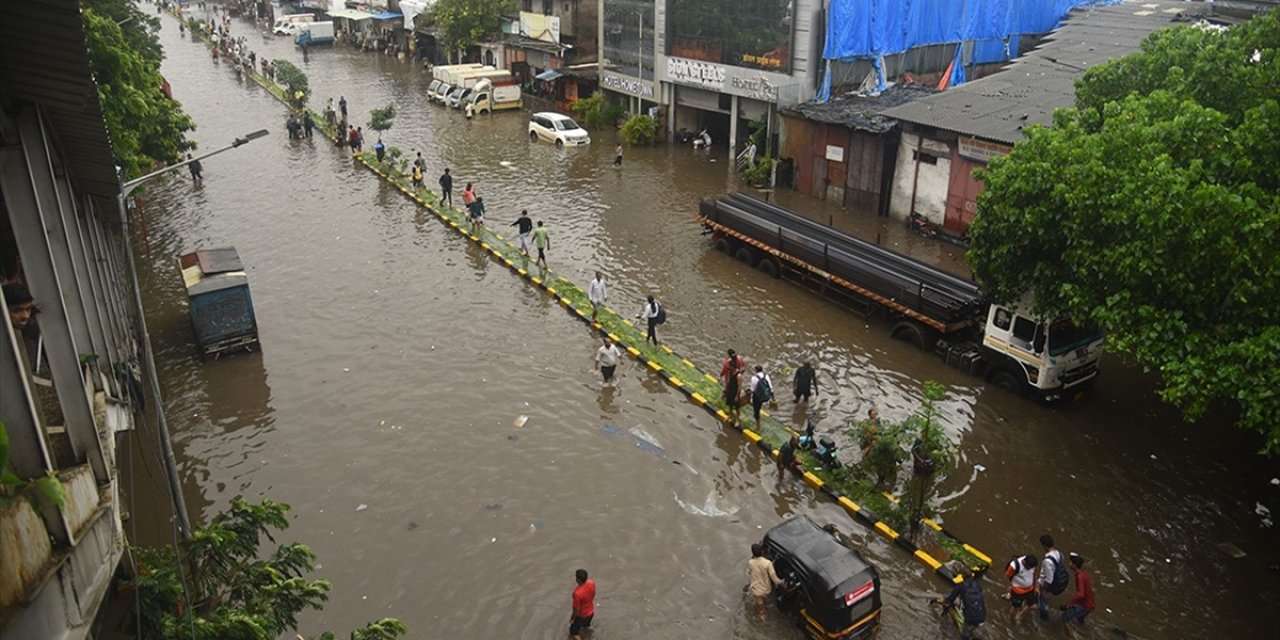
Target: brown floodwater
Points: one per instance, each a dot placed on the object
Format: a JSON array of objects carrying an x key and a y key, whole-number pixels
[{"x": 396, "y": 358}]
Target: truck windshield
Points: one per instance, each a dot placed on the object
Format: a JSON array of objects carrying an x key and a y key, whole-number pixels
[{"x": 1065, "y": 335}]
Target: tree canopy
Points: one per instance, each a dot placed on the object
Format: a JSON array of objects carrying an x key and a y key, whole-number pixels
[
  {"x": 220, "y": 585},
  {"x": 147, "y": 128},
  {"x": 1152, "y": 210},
  {"x": 463, "y": 23}
]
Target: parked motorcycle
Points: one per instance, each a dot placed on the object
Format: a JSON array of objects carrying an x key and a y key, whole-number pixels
[{"x": 702, "y": 140}]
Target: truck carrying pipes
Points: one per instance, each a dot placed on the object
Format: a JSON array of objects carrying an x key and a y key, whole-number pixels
[{"x": 935, "y": 310}]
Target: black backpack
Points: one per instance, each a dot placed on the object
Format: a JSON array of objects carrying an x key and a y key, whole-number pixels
[
  {"x": 661, "y": 318},
  {"x": 763, "y": 391},
  {"x": 1060, "y": 577}
]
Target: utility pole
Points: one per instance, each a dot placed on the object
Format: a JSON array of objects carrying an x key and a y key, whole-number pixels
[{"x": 149, "y": 360}]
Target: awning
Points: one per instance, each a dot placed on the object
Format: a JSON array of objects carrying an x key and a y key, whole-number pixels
[
  {"x": 388, "y": 15},
  {"x": 349, "y": 14},
  {"x": 549, "y": 74}
]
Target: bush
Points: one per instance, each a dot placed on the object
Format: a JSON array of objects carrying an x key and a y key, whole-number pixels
[
  {"x": 760, "y": 172},
  {"x": 639, "y": 130},
  {"x": 294, "y": 79},
  {"x": 596, "y": 113}
]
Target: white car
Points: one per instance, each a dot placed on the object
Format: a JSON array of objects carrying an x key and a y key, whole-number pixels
[{"x": 557, "y": 128}]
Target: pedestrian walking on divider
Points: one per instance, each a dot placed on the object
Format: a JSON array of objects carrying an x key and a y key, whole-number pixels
[
  {"x": 653, "y": 315},
  {"x": 476, "y": 212},
  {"x": 607, "y": 358},
  {"x": 342, "y": 106},
  {"x": 584, "y": 604},
  {"x": 731, "y": 379},
  {"x": 805, "y": 382},
  {"x": 596, "y": 293},
  {"x": 446, "y": 187},
  {"x": 197, "y": 171},
  {"x": 541, "y": 240},
  {"x": 420, "y": 163},
  {"x": 359, "y": 139},
  {"x": 309, "y": 123},
  {"x": 761, "y": 391},
  {"x": 352, "y": 141},
  {"x": 468, "y": 196},
  {"x": 524, "y": 226},
  {"x": 417, "y": 177},
  {"x": 379, "y": 150}
]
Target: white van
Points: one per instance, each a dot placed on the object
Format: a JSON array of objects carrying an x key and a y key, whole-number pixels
[{"x": 287, "y": 25}]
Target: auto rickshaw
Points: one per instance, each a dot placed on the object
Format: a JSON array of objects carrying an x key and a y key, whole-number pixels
[{"x": 830, "y": 590}]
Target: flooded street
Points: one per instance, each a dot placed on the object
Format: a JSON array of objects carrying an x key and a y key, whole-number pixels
[{"x": 396, "y": 358}]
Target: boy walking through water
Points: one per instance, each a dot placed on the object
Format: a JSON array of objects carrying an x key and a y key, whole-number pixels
[
  {"x": 1053, "y": 575},
  {"x": 763, "y": 577},
  {"x": 584, "y": 604},
  {"x": 1082, "y": 605},
  {"x": 446, "y": 187}
]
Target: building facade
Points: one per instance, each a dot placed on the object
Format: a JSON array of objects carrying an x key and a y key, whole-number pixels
[{"x": 66, "y": 376}]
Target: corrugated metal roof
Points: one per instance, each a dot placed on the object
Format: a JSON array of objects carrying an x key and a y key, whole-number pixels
[
  {"x": 998, "y": 106},
  {"x": 44, "y": 60},
  {"x": 864, "y": 113}
]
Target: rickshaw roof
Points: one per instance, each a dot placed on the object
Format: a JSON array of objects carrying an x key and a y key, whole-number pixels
[{"x": 829, "y": 564}]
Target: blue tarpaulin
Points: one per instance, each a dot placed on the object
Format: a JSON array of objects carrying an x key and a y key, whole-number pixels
[
  {"x": 388, "y": 15},
  {"x": 873, "y": 28}
]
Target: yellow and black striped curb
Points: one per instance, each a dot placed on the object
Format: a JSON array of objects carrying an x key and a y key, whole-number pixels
[{"x": 857, "y": 512}]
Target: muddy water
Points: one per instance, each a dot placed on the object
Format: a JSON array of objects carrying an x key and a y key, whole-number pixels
[{"x": 396, "y": 359}]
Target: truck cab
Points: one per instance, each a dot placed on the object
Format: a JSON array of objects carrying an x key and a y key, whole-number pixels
[{"x": 1054, "y": 360}]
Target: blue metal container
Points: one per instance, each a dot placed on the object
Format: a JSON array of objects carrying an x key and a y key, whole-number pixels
[{"x": 221, "y": 307}]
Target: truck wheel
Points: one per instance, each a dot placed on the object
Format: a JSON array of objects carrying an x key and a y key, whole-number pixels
[
  {"x": 769, "y": 267},
  {"x": 1005, "y": 380},
  {"x": 922, "y": 337},
  {"x": 744, "y": 254},
  {"x": 533, "y": 136},
  {"x": 721, "y": 245}
]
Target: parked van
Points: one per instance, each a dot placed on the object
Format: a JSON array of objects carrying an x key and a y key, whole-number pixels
[{"x": 282, "y": 26}]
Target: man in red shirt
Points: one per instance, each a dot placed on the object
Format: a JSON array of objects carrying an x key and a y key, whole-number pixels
[
  {"x": 584, "y": 604},
  {"x": 1082, "y": 605}
]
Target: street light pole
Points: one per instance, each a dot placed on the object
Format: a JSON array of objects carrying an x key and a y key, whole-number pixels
[{"x": 148, "y": 357}]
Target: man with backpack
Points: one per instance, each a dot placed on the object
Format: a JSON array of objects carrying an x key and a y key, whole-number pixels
[
  {"x": 1053, "y": 577},
  {"x": 969, "y": 594},
  {"x": 654, "y": 314},
  {"x": 1021, "y": 574},
  {"x": 761, "y": 391}
]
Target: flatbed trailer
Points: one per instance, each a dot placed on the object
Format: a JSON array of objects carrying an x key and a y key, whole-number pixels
[{"x": 929, "y": 307}]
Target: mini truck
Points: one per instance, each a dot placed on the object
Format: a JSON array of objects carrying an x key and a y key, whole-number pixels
[
  {"x": 311, "y": 33},
  {"x": 486, "y": 96},
  {"x": 832, "y": 592},
  {"x": 933, "y": 309},
  {"x": 221, "y": 307}
]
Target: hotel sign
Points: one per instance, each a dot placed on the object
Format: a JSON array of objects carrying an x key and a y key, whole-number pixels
[{"x": 624, "y": 84}]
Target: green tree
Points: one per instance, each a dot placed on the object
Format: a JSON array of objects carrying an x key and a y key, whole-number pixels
[
  {"x": 381, "y": 119},
  {"x": 1152, "y": 211},
  {"x": 146, "y": 127},
  {"x": 639, "y": 130},
  {"x": 294, "y": 80},
  {"x": 463, "y": 23},
  {"x": 235, "y": 592}
]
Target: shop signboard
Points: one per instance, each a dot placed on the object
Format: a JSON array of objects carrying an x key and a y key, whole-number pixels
[
  {"x": 981, "y": 150},
  {"x": 627, "y": 85},
  {"x": 748, "y": 83}
]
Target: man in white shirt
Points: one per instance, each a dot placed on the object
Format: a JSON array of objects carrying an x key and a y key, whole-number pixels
[
  {"x": 607, "y": 358},
  {"x": 596, "y": 294},
  {"x": 649, "y": 313},
  {"x": 765, "y": 393}
]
